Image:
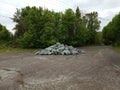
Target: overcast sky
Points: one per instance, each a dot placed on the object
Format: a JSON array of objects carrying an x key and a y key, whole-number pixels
[{"x": 105, "y": 8}]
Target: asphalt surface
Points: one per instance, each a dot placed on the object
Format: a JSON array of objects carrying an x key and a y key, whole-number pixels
[{"x": 97, "y": 69}]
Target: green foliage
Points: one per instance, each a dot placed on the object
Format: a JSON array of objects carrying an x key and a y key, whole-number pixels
[
  {"x": 5, "y": 49},
  {"x": 111, "y": 32},
  {"x": 92, "y": 24},
  {"x": 5, "y": 35},
  {"x": 68, "y": 21},
  {"x": 117, "y": 49},
  {"x": 29, "y": 40},
  {"x": 99, "y": 39},
  {"x": 48, "y": 37},
  {"x": 38, "y": 27}
]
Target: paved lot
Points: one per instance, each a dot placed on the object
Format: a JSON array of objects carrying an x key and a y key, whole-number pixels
[{"x": 98, "y": 69}]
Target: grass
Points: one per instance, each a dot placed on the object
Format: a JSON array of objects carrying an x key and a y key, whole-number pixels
[
  {"x": 117, "y": 49},
  {"x": 15, "y": 50},
  {"x": 5, "y": 48}
]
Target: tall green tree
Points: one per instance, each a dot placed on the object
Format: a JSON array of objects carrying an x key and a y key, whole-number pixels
[
  {"x": 92, "y": 24},
  {"x": 78, "y": 20},
  {"x": 80, "y": 30},
  {"x": 69, "y": 24}
]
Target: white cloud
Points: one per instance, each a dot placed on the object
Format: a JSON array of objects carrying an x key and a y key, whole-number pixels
[
  {"x": 106, "y": 8},
  {"x": 7, "y": 8}
]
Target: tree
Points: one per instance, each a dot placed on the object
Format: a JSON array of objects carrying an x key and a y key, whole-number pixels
[
  {"x": 25, "y": 18},
  {"x": 111, "y": 32},
  {"x": 78, "y": 14},
  {"x": 38, "y": 27},
  {"x": 69, "y": 24},
  {"x": 5, "y": 35},
  {"x": 91, "y": 22},
  {"x": 80, "y": 30}
]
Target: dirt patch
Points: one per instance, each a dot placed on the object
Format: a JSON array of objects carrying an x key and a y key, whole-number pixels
[
  {"x": 10, "y": 79},
  {"x": 97, "y": 69}
]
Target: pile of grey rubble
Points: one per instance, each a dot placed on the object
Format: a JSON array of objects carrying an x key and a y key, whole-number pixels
[{"x": 59, "y": 49}]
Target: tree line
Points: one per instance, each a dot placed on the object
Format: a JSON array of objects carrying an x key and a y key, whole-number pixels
[
  {"x": 38, "y": 28},
  {"x": 111, "y": 32}
]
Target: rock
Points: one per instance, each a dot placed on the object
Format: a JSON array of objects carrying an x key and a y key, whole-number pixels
[
  {"x": 10, "y": 79},
  {"x": 60, "y": 49},
  {"x": 37, "y": 53}
]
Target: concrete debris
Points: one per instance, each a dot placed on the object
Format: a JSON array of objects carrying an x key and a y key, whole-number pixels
[{"x": 60, "y": 49}]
